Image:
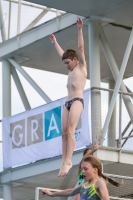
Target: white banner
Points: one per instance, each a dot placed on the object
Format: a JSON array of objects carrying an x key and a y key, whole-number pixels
[{"x": 36, "y": 134}]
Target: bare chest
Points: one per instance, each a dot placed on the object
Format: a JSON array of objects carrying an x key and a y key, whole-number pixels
[{"x": 77, "y": 76}]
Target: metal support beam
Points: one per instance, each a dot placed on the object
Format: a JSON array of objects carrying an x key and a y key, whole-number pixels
[
  {"x": 125, "y": 130},
  {"x": 7, "y": 192},
  {"x": 30, "y": 80},
  {"x": 2, "y": 24},
  {"x": 20, "y": 89},
  {"x": 94, "y": 66},
  {"x": 127, "y": 138},
  {"x": 120, "y": 120},
  {"x": 118, "y": 83},
  {"x": 19, "y": 16},
  {"x": 112, "y": 124},
  {"x": 128, "y": 90},
  {"x": 9, "y": 19},
  {"x": 35, "y": 21},
  {"x": 6, "y": 88},
  {"x": 36, "y": 6},
  {"x": 115, "y": 71}
]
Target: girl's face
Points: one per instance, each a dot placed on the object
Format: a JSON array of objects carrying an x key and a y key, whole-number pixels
[{"x": 88, "y": 171}]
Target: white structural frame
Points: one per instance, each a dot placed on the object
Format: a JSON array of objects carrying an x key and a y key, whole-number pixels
[
  {"x": 20, "y": 89},
  {"x": 117, "y": 86},
  {"x": 95, "y": 79},
  {"x": 112, "y": 124},
  {"x": 30, "y": 80},
  {"x": 115, "y": 71},
  {"x": 96, "y": 35}
]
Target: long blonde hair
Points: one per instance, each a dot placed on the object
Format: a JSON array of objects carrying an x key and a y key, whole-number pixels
[{"x": 96, "y": 163}]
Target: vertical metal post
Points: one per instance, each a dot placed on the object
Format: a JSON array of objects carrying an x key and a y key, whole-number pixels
[
  {"x": 112, "y": 124},
  {"x": 6, "y": 88},
  {"x": 7, "y": 192},
  {"x": 19, "y": 16},
  {"x": 2, "y": 24},
  {"x": 37, "y": 193},
  {"x": 94, "y": 60},
  {"x": 9, "y": 20},
  {"x": 120, "y": 120}
]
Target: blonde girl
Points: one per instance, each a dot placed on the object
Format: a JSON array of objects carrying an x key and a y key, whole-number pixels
[{"x": 94, "y": 186}]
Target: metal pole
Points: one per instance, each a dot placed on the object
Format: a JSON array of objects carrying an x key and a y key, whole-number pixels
[
  {"x": 6, "y": 88},
  {"x": 19, "y": 16},
  {"x": 115, "y": 71},
  {"x": 35, "y": 21},
  {"x": 37, "y": 193},
  {"x": 9, "y": 21},
  {"x": 112, "y": 124},
  {"x": 7, "y": 192},
  {"x": 94, "y": 62},
  {"x": 37, "y": 6},
  {"x": 2, "y": 23},
  {"x": 20, "y": 89},
  {"x": 120, "y": 119},
  {"x": 30, "y": 80},
  {"x": 118, "y": 83},
  {"x": 126, "y": 128}
]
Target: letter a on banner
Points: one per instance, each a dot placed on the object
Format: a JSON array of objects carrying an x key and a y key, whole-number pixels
[{"x": 53, "y": 123}]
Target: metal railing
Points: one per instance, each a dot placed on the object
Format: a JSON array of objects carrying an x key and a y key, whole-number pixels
[{"x": 124, "y": 129}]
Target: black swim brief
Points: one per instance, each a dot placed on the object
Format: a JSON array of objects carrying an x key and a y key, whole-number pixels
[{"x": 69, "y": 103}]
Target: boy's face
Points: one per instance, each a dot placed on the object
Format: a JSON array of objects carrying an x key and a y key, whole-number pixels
[{"x": 70, "y": 64}]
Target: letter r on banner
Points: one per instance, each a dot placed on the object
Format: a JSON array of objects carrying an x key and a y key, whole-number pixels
[{"x": 52, "y": 123}]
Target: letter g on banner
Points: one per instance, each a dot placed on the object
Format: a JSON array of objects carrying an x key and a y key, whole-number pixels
[
  {"x": 20, "y": 135},
  {"x": 17, "y": 130}
]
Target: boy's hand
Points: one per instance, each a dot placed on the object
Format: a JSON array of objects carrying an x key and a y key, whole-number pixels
[
  {"x": 79, "y": 23},
  {"x": 45, "y": 191},
  {"x": 52, "y": 38}
]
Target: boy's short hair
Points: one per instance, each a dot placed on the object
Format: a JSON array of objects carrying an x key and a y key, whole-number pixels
[{"x": 70, "y": 53}]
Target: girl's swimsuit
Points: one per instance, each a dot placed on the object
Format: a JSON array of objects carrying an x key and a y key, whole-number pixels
[{"x": 89, "y": 193}]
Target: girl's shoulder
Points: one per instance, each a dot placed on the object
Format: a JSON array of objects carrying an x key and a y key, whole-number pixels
[{"x": 100, "y": 182}]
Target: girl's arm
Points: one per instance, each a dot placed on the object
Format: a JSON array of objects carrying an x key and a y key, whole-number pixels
[
  {"x": 102, "y": 189},
  {"x": 63, "y": 193}
]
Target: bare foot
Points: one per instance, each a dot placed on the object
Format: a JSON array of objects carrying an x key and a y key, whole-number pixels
[
  {"x": 60, "y": 172},
  {"x": 65, "y": 169}
]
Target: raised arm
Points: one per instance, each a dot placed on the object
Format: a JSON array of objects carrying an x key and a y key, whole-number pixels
[
  {"x": 55, "y": 43},
  {"x": 95, "y": 148},
  {"x": 63, "y": 193},
  {"x": 81, "y": 42}
]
